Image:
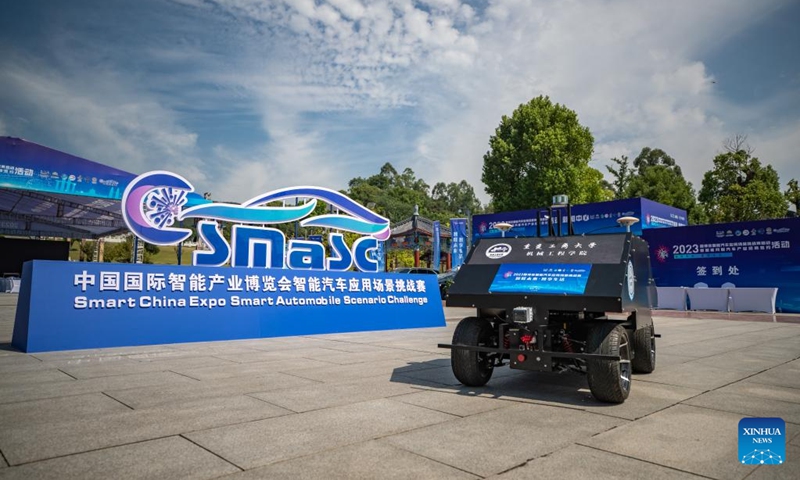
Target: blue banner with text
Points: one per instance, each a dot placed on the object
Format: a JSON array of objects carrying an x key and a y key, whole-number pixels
[
  {"x": 541, "y": 278},
  {"x": 587, "y": 218},
  {"x": 437, "y": 249},
  {"x": 458, "y": 244},
  {"x": 71, "y": 305}
]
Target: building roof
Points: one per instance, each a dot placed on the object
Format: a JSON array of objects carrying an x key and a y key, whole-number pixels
[{"x": 47, "y": 193}]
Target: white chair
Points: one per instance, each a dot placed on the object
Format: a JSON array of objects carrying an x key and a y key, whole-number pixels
[
  {"x": 753, "y": 299},
  {"x": 671, "y": 298},
  {"x": 704, "y": 298}
]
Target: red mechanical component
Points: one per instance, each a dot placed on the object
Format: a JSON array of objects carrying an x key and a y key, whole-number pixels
[
  {"x": 526, "y": 339},
  {"x": 567, "y": 344},
  {"x": 506, "y": 342}
]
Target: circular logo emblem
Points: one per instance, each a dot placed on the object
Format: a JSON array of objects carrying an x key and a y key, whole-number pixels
[
  {"x": 631, "y": 281},
  {"x": 499, "y": 250}
]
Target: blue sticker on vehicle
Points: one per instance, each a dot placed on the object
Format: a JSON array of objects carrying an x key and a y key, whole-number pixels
[{"x": 541, "y": 278}]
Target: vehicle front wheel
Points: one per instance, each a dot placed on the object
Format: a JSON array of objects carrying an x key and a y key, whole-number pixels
[
  {"x": 472, "y": 368},
  {"x": 609, "y": 381}
]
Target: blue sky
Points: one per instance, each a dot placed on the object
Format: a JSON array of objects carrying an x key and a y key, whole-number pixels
[{"x": 243, "y": 96}]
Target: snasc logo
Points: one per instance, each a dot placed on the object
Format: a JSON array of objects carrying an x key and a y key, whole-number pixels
[
  {"x": 153, "y": 202},
  {"x": 499, "y": 250},
  {"x": 762, "y": 441}
]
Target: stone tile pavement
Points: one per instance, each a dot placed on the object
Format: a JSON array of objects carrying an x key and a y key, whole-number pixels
[{"x": 386, "y": 405}]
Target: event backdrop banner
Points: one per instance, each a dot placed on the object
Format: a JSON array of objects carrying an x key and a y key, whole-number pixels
[
  {"x": 587, "y": 218},
  {"x": 761, "y": 254},
  {"x": 72, "y": 305}
]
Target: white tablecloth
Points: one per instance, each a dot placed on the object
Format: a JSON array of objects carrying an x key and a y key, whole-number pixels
[
  {"x": 753, "y": 299},
  {"x": 10, "y": 284},
  {"x": 708, "y": 299},
  {"x": 671, "y": 298}
]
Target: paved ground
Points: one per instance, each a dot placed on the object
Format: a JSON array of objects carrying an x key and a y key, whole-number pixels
[{"x": 386, "y": 405}]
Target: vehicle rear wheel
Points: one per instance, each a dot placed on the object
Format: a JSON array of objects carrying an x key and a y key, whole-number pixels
[
  {"x": 644, "y": 349},
  {"x": 609, "y": 381},
  {"x": 471, "y": 368}
]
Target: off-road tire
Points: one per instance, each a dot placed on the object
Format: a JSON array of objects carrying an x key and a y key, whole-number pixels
[
  {"x": 473, "y": 369},
  {"x": 644, "y": 350},
  {"x": 609, "y": 381}
]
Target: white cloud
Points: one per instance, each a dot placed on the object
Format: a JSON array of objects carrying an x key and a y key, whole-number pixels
[
  {"x": 111, "y": 126},
  {"x": 630, "y": 70},
  {"x": 633, "y": 72}
]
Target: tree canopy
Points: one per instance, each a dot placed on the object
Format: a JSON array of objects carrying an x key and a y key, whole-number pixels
[
  {"x": 622, "y": 176},
  {"x": 739, "y": 188},
  {"x": 394, "y": 195},
  {"x": 657, "y": 177},
  {"x": 539, "y": 151},
  {"x": 456, "y": 198},
  {"x": 793, "y": 195}
]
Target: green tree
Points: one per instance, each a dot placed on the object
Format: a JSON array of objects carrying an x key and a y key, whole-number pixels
[
  {"x": 121, "y": 252},
  {"x": 622, "y": 176},
  {"x": 539, "y": 151},
  {"x": 455, "y": 198},
  {"x": 657, "y": 177},
  {"x": 739, "y": 188},
  {"x": 394, "y": 195},
  {"x": 87, "y": 250},
  {"x": 595, "y": 188},
  {"x": 793, "y": 195}
]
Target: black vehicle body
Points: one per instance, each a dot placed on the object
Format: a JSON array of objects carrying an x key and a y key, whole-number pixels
[{"x": 579, "y": 303}]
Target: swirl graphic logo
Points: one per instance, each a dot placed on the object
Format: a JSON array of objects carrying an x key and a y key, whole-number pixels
[
  {"x": 151, "y": 204},
  {"x": 153, "y": 201}
]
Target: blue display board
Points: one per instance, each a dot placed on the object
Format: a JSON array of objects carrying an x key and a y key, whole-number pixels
[
  {"x": 71, "y": 305},
  {"x": 381, "y": 256},
  {"x": 458, "y": 244},
  {"x": 587, "y": 218},
  {"x": 746, "y": 254},
  {"x": 541, "y": 278},
  {"x": 437, "y": 249}
]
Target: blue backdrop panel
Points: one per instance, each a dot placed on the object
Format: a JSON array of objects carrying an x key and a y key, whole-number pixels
[
  {"x": 658, "y": 215},
  {"x": 746, "y": 254},
  {"x": 587, "y": 218},
  {"x": 70, "y": 305}
]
